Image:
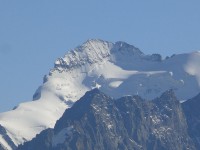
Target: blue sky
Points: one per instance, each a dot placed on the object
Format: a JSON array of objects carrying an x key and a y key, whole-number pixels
[{"x": 34, "y": 33}]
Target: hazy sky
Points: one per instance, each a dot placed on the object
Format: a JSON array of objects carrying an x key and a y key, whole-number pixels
[{"x": 34, "y": 33}]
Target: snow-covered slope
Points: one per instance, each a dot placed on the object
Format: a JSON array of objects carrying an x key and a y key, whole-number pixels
[{"x": 115, "y": 68}]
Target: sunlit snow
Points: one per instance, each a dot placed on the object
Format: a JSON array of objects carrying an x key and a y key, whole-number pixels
[{"x": 117, "y": 69}]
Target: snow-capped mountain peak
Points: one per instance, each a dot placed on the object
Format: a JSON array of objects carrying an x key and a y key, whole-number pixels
[
  {"x": 117, "y": 69},
  {"x": 89, "y": 52},
  {"x": 94, "y": 51}
]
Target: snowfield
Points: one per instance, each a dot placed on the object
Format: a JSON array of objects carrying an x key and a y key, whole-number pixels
[{"x": 117, "y": 69}]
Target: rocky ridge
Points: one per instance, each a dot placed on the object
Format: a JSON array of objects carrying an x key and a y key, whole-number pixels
[{"x": 100, "y": 122}]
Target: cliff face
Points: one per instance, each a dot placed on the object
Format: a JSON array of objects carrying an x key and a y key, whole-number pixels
[
  {"x": 192, "y": 112},
  {"x": 99, "y": 122}
]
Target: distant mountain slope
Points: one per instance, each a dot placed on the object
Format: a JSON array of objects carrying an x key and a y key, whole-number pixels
[
  {"x": 98, "y": 122},
  {"x": 117, "y": 69}
]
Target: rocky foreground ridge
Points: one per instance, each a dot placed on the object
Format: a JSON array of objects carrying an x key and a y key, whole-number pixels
[{"x": 99, "y": 122}]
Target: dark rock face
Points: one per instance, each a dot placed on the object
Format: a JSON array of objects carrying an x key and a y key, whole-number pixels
[
  {"x": 98, "y": 122},
  {"x": 192, "y": 112},
  {"x": 3, "y": 132}
]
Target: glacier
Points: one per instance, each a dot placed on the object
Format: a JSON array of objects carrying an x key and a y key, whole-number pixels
[{"x": 117, "y": 69}]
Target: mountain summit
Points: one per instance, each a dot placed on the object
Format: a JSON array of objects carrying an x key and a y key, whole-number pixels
[
  {"x": 117, "y": 69},
  {"x": 96, "y": 51}
]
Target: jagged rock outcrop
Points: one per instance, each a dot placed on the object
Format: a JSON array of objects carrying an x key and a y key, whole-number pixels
[
  {"x": 99, "y": 122},
  {"x": 117, "y": 69},
  {"x": 192, "y": 112}
]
